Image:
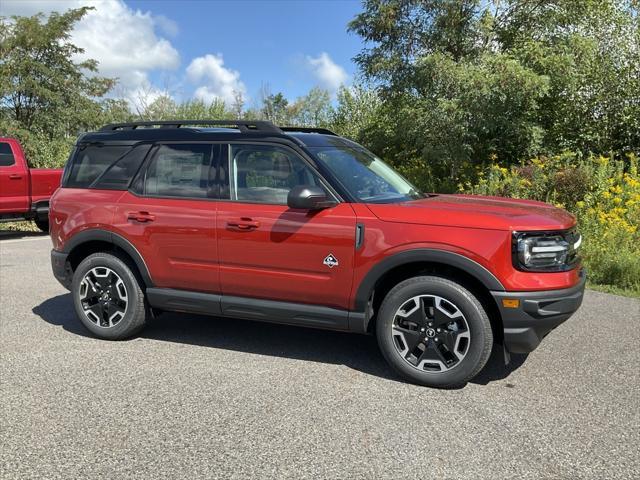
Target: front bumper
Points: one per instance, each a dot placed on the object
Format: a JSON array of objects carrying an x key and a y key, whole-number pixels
[
  {"x": 537, "y": 314},
  {"x": 61, "y": 269}
]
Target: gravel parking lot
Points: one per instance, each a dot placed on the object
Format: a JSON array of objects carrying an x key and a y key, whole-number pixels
[{"x": 198, "y": 397}]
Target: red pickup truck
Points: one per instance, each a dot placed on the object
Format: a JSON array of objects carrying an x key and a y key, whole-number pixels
[{"x": 24, "y": 191}]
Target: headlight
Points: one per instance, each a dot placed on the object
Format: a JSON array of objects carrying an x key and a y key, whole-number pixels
[{"x": 546, "y": 251}]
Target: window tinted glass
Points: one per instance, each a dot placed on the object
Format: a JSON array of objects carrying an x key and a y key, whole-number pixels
[
  {"x": 118, "y": 175},
  {"x": 179, "y": 171},
  {"x": 366, "y": 177},
  {"x": 6, "y": 155},
  {"x": 90, "y": 162},
  {"x": 265, "y": 173}
]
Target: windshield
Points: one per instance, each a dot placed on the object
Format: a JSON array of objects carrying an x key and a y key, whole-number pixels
[{"x": 366, "y": 177}]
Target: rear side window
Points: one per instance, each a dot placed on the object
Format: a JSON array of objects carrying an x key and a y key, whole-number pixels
[
  {"x": 91, "y": 161},
  {"x": 6, "y": 155},
  {"x": 119, "y": 174},
  {"x": 179, "y": 171}
]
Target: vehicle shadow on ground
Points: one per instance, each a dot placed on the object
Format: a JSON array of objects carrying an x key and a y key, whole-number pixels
[{"x": 359, "y": 352}]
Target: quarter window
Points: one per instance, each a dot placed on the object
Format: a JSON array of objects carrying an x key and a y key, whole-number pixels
[
  {"x": 6, "y": 155},
  {"x": 90, "y": 162},
  {"x": 179, "y": 171},
  {"x": 265, "y": 173}
]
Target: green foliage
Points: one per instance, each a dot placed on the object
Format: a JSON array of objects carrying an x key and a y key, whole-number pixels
[
  {"x": 471, "y": 81},
  {"x": 166, "y": 108},
  {"x": 46, "y": 98}
]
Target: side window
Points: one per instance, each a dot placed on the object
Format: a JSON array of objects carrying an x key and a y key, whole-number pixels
[
  {"x": 6, "y": 155},
  {"x": 265, "y": 173},
  {"x": 91, "y": 161},
  {"x": 179, "y": 171},
  {"x": 119, "y": 174}
]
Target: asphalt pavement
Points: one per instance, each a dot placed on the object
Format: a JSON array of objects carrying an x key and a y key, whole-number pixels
[{"x": 198, "y": 397}]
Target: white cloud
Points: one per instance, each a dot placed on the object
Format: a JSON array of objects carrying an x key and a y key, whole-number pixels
[
  {"x": 124, "y": 41},
  {"x": 216, "y": 81},
  {"x": 329, "y": 74}
]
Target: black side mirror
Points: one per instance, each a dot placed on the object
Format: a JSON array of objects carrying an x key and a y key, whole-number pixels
[{"x": 308, "y": 197}]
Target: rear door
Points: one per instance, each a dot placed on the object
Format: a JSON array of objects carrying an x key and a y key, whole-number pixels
[
  {"x": 14, "y": 182},
  {"x": 169, "y": 215},
  {"x": 270, "y": 251}
]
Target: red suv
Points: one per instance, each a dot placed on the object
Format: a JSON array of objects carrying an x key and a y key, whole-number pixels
[{"x": 300, "y": 226}]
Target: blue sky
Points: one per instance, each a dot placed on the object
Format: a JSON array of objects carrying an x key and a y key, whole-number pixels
[{"x": 207, "y": 49}]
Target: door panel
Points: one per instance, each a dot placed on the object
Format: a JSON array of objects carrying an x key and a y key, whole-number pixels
[
  {"x": 282, "y": 257},
  {"x": 176, "y": 238},
  {"x": 14, "y": 182},
  {"x": 171, "y": 218},
  {"x": 270, "y": 251}
]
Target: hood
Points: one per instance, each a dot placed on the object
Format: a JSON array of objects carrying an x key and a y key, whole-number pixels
[{"x": 474, "y": 211}]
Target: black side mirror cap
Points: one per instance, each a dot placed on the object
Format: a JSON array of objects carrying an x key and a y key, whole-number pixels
[{"x": 309, "y": 197}]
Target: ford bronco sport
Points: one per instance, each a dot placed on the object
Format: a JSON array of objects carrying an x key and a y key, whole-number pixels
[{"x": 300, "y": 226}]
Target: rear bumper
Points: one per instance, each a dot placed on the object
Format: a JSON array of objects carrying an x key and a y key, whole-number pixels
[
  {"x": 61, "y": 269},
  {"x": 537, "y": 315}
]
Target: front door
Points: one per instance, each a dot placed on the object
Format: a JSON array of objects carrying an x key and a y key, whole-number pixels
[
  {"x": 272, "y": 252},
  {"x": 169, "y": 216},
  {"x": 14, "y": 182}
]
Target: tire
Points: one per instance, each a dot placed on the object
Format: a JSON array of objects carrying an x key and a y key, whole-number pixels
[
  {"x": 446, "y": 346},
  {"x": 42, "y": 225},
  {"x": 108, "y": 298}
]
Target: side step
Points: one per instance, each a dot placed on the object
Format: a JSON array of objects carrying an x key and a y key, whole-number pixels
[{"x": 289, "y": 313}]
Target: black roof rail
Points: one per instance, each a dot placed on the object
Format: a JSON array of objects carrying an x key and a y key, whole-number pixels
[
  {"x": 324, "y": 131},
  {"x": 242, "y": 125}
]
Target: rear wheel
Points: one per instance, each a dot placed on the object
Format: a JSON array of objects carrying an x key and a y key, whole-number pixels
[
  {"x": 107, "y": 297},
  {"x": 434, "y": 332}
]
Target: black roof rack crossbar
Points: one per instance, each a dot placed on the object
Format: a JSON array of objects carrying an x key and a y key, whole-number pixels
[
  {"x": 242, "y": 125},
  {"x": 324, "y": 131}
]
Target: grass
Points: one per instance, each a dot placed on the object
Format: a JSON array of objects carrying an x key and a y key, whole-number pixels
[
  {"x": 614, "y": 290},
  {"x": 18, "y": 227}
]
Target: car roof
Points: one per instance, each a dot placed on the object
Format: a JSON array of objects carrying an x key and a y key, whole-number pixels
[{"x": 179, "y": 131}]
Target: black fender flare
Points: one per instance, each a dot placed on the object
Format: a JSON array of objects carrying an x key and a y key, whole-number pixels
[
  {"x": 430, "y": 255},
  {"x": 96, "y": 234}
]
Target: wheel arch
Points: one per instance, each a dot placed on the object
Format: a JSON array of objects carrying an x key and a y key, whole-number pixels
[
  {"x": 91, "y": 241},
  {"x": 401, "y": 266}
]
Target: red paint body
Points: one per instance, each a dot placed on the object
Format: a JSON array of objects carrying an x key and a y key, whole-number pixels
[
  {"x": 276, "y": 253},
  {"x": 21, "y": 187}
]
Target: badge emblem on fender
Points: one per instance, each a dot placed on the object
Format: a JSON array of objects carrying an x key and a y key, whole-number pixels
[{"x": 330, "y": 261}]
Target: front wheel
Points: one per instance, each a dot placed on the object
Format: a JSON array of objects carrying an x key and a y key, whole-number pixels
[
  {"x": 434, "y": 332},
  {"x": 107, "y": 297}
]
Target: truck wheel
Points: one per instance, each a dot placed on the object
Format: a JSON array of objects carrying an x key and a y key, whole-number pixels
[
  {"x": 42, "y": 225},
  {"x": 108, "y": 298},
  {"x": 434, "y": 332}
]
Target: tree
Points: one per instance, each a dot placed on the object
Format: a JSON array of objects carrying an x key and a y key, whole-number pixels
[
  {"x": 46, "y": 97},
  {"x": 473, "y": 81},
  {"x": 312, "y": 110},
  {"x": 238, "y": 104},
  {"x": 274, "y": 108},
  {"x": 356, "y": 112},
  {"x": 39, "y": 80}
]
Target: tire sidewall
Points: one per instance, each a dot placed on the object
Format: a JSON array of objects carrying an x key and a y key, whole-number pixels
[
  {"x": 479, "y": 327},
  {"x": 123, "y": 328}
]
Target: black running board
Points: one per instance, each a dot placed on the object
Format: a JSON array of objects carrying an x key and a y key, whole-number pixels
[{"x": 289, "y": 313}]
